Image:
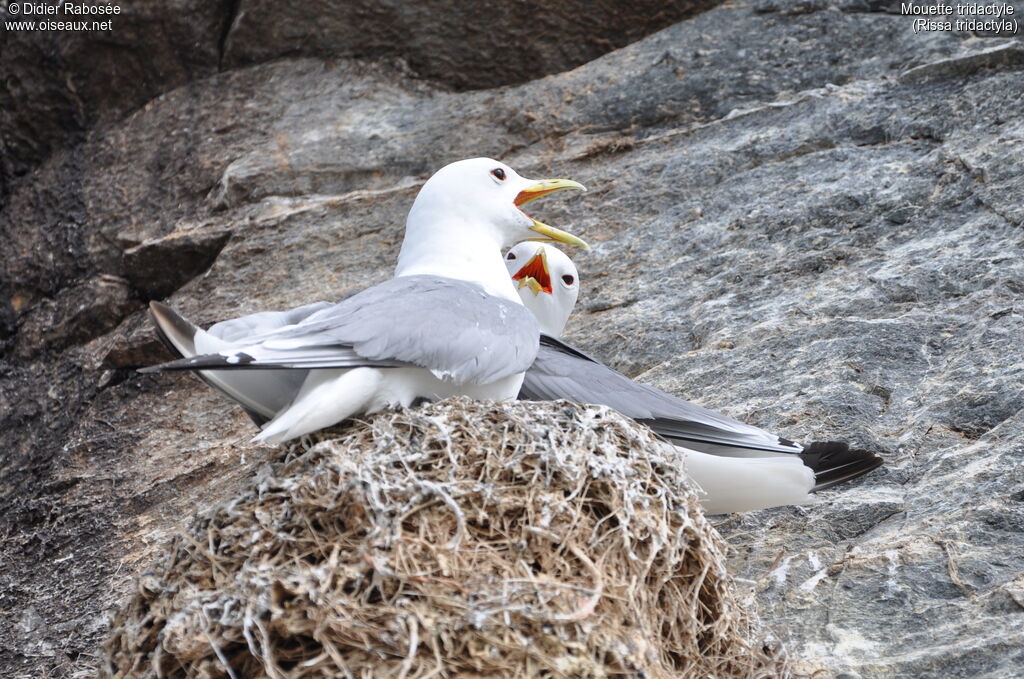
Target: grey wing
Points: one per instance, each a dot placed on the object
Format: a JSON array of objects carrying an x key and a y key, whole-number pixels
[
  {"x": 260, "y": 393},
  {"x": 245, "y": 327},
  {"x": 452, "y": 328},
  {"x": 266, "y": 391},
  {"x": 563, "y": 372}
]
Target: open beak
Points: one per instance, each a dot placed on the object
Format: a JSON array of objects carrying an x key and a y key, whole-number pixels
[
  {"x": 550, "y": 233},
  {"x": 535, "y": 274}
]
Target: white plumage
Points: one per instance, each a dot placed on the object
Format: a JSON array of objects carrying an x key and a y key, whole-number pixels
[
  {"x": 449, "y": 323},
  {"x": 738, "y": 467}
]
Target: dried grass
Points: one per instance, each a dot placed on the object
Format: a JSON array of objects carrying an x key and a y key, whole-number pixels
[{"x": 460, "y": 539}]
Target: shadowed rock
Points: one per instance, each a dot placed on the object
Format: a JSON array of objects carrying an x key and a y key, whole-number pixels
[
  {"x": 59, "y": 85},
  {"x": 158, "y": 267}
]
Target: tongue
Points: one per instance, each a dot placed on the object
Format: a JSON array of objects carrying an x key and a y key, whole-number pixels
[{"x": 537, "y": 269}]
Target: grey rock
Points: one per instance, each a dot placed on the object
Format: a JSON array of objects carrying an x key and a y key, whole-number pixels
[
  {"x": 792, "y": 225},
  {"x": 1009, "y": 54},
  {"x": 132, "y": 345},
  {"x": 60, "y": 84},
  {"x": 463, "y": 44},
  {"x": 160, "y": 266},
  {"x": 76, "y": 315}
]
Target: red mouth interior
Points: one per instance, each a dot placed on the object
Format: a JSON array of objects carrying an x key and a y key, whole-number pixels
[
  {"x": 525, "y": 197},
  {"x": 536, "y": 269}
]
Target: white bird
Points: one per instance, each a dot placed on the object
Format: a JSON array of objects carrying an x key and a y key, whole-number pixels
[
  {"x": 738, "y": 466},
  {"x": 449, "y": 323}
]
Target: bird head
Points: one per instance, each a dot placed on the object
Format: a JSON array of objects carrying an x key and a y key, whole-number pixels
[
  {"x": 547, "y": 281},
  {"x": 487, "y": 196}
]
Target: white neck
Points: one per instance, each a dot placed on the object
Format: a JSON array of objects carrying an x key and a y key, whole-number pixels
[
  {"x": 544, "y": 306},
  {"x": 455, "y": 249}
]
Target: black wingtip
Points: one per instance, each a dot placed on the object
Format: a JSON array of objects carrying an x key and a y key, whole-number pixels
[
  {"x": 164, "y": 317},
  {"x": 160, "y": 334},
  {"x": 833, "y": 462},
  {"x": 237, "y": 361},
  {"x": 177, "y": 364}
]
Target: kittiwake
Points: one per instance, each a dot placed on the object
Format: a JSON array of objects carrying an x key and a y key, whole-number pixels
[
  {"x": 739, "y": 467},
  {"x": 449, "y": 323}
]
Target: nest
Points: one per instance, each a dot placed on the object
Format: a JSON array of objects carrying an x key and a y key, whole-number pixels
[{"x": 460, "y": 539}]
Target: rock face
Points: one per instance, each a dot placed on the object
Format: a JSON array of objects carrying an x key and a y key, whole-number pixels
[
  {"x": 806, "y": 215},
  {"x": 57, "y": 85}
]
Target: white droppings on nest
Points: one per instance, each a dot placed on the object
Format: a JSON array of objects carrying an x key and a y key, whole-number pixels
[{"x": 459, "y": 539}]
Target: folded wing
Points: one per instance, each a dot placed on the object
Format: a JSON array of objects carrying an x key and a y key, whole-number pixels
[
  {"x": 562, "y": 371},
  {"x": 452, "y": 328}
]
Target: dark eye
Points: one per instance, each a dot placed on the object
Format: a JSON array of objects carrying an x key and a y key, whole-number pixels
[
  {"x": 568, "y": 279},
  {"x": 498, "y": 174},
  {"x": 510, "y": 255}
]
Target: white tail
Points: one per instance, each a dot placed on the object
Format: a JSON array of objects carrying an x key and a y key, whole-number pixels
[
  {"x": 326, "y": 397},
  {"x": 744, "y": 484}
]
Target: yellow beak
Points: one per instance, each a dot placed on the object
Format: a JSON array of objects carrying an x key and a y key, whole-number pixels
[
  {"x": 550, "y": 233},
  {"x": 531, "y": 282},
  {"x": 544, "y": 187}
]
